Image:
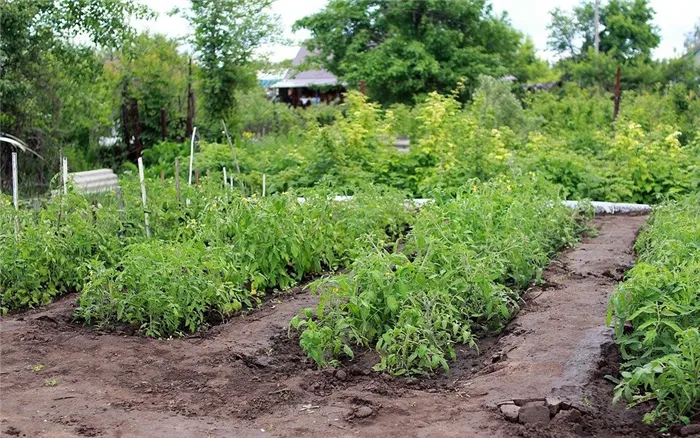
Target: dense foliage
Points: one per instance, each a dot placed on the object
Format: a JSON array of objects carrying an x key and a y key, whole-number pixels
[
  {"x": 567, "y": 137},
  {"x": 456, "y": 276},
  {"x": 225, "y": 251},
  {"x": 406, "y": 49},
  {"x": 656, "y": 315}
]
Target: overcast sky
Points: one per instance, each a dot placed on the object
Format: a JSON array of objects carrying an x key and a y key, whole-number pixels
[{"x": 674, "y": 18}]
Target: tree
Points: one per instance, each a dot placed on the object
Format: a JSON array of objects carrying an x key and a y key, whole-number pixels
[
  {"x": 626, "y": 30},
  {"x": 226, "y": 35},
  {"x": 527, "y": 67},
  {"x": 152, "y": 72},
  {"x": 406, "y": 48},
  {"x": 692, "y": 38},
  {"x": 564, "y": 33},
  {"x": 48, "y": 87}
]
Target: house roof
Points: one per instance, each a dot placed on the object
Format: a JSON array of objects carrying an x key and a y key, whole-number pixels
[{"x": 306, "y": 78}]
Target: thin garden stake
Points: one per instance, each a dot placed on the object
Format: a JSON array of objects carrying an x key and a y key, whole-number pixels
[
  {"x": 231, "y": 183},
  {"x": 264, "y": 184},
  {"x": 15, "y": 192},
  {"x": 177, "y": 179},
  {"x": 616, "y": 107},
  {"x": 194, "y": 132},
  {"x": 230, "y": 143},
  {"x": 233, "y": 152},
  {"x": 143, "y": 198},
  {"x": 120, "y": 202},
  {"x": 225, "y": 179},
  {"x": 65, "y": 175}
]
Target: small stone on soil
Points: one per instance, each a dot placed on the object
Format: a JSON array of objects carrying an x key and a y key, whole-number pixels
[
  {"x": 570, "y": 416},
  {"x": 341, "y": 375},
  {"x": 534, "y": 414},
  {"x": 364, "y": 412},
  {"x": 554, "y": 404},
  {"x": 510, "y": 412}
]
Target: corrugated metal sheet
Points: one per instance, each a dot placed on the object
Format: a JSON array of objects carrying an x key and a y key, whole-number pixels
[{"x": 95, "y": 181}]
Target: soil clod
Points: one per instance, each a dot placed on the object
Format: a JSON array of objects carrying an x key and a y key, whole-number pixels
[{"x": 534, "y": 414}]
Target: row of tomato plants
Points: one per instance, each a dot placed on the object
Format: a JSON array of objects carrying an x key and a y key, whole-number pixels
[
  {"x": 207, "y": 257},
  {"x": 455, "y": 277},
  {"x": 656, "y": 315}
]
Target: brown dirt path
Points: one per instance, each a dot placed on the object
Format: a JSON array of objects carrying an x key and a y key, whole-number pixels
[{"x": 245, "y": 378}]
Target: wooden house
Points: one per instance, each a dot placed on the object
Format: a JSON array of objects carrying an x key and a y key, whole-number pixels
[{"x": 302, "y": 88}]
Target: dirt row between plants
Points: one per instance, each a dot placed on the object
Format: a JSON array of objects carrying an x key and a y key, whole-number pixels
[{"x": 247, "y": 378}]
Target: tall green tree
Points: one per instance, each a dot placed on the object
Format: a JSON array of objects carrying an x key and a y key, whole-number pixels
[
  {"x": 226, "y": 35},
  {"x": 406, "y": 48},
  {"x": 48, "y": 87},
  {"x": 151, "y": 73},
  {"x": 626, "y": 30},
  {"x": 692, "y": 38}
]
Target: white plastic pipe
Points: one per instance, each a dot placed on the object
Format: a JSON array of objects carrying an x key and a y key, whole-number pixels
[
  {"x": 598, "y": 207},
  {"x": 612, "y": 207},
  {"x": 64, "y": 167},
  {"x": 194, "y": 131},
  {"x": 15, "y": 192},
  {"x": 143, "y": 198}
]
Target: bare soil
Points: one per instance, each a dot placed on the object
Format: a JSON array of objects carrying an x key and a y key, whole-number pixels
[{"x": 247, "y": 377}]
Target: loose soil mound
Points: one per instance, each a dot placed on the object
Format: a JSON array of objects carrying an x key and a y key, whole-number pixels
[{"x": 248, "y": 378}]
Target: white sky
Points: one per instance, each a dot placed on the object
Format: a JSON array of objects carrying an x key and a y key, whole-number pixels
[{"x": 674, "y": 18}]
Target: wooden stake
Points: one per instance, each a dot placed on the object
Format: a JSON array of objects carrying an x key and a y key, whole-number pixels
[
  {"x": 616, "y": 109},
  {"x": 120, "y": 202},
  {"x": 225, "y": 179},
  {"x": 194, "y": 132},
  {"x": 35, "y": 207},
  {"x": 143, "y": 198},
  {"x": 196, "y": 177},
  {"x": 230, "y": 143},
  {"x": 177, "y": 179},
  {"x": 163, "y": 124},
  {"x": 264, "y": 184},
  {"x": 15, "y": 192},
  {"x": 162, "y": 176},
  {"x": 233, "y": 152}
]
